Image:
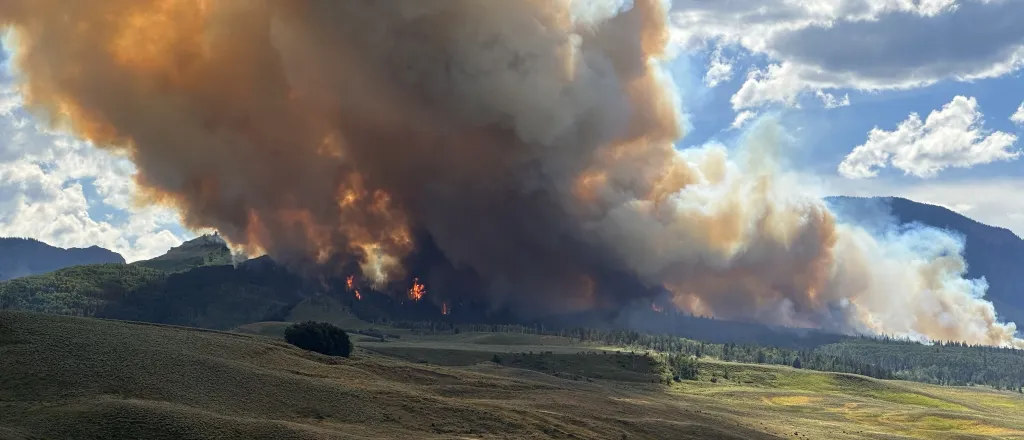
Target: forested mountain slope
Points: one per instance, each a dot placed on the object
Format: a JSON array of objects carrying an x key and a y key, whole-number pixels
[{"x": 24, "y": 256}]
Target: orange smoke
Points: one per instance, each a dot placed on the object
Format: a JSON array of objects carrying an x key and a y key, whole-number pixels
[{"x": 519, "y": 147}]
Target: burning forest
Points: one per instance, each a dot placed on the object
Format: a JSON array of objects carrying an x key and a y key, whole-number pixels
[{"x": 521, "y": 152}]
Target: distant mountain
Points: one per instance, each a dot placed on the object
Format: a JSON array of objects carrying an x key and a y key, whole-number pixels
[
  {"x": 207, "y": 250},
  {"x": 991, "y": 252},
  {"x": 24, "y": 256}
]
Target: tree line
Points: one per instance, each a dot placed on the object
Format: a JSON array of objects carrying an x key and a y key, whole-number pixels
[{"x": 943, "y": 362}]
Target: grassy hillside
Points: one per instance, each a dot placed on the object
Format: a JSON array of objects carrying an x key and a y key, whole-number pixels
[
  {"x": 95, "y": 379},
  {"x": 829, "y": 405}
]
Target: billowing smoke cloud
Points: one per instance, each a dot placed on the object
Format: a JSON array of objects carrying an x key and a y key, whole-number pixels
[{"x": 521, "y": 150}]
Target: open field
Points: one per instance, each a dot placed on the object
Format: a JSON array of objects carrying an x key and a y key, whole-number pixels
[{"x": 76, "y": 378}]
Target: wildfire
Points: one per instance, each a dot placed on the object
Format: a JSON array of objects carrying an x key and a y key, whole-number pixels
[
  {"x": 657, "y": 308},
  {"x": 359, "y": 297},
  {"x": 444, "y": 308},
  {"x": 417, "y": 290},
  {"x": 349, "y": 282}
]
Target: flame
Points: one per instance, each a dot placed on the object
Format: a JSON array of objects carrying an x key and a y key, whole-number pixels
[
  {"x": 349, "y": 282},
  {"x": 359, "y": 297},
  {"x": 657, "y": 308},
  {"x": 444, "y": 308},
  {"x": 280, "y": 125},
  {"x": 417, "y": 290}
]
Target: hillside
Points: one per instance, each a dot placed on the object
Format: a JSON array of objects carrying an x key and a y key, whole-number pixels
[
  {"x": 219, "y": 297},
  {"x": 991, "y": 252},
  {"x": 78, "y": 290},
  {"x": 97, "y": 379},
  {"x": 206, "y": 250},
  {"x": 24, "y": 256}
]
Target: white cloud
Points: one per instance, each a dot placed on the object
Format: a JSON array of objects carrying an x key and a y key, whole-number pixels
[
  {"x": 822, "y": 45},
  {"x": 950, "y": 137},
  {"x": 1018, "y": 116},
  {"x": 776, "y": 84},
  {"x": 43, "y": 180},
  {"x": 719, "y": 69},
  {"x": 830, "y": 101},
  {"x": 742, "y": 118}
]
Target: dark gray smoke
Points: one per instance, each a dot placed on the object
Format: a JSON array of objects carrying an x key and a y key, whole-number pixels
[{"x": 521, "y": 150}]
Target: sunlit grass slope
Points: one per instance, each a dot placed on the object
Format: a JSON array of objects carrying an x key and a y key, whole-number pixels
[{"x": 78, "y": 378}]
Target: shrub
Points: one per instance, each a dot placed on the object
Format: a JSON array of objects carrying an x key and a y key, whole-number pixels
[
  {"x": 320, "y": 337},
  {"x": 684, "y": 367}
]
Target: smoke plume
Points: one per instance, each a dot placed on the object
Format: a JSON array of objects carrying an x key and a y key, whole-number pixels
[{"x": 521, "y": 150}]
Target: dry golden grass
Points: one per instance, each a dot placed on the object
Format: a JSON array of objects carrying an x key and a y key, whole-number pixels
[{"x": 73, "y": 378}]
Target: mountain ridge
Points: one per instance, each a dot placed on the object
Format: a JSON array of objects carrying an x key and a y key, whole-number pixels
[
  {"x": 205, "y": 250},
  {"x": 195, "y": 281},
  {"x": 27, "y": 256}
]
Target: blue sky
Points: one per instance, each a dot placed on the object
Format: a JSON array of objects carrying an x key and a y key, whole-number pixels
[{"x": 830, "y": 71}]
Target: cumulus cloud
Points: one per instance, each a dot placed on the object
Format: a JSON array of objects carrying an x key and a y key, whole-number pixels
[
  {"x": 830, "y": 101},
  {"x": 719, "y": 69},
  {"x": 776, "y": 84},
  {"x": 742, "y": 118},
  {"x": 856, "y": 44},
  {"x": 513, "y": 151},
  {"x": 43, "y": 181},
  {"x": 950, "y": 137},
  {"x": 1018, "y": 116}
]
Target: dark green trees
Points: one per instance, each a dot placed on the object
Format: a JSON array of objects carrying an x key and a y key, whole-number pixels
[{"x": 320, "y": 337}]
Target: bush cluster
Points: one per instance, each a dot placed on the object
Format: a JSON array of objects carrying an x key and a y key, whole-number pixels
[{"x": 320, "y": 337}]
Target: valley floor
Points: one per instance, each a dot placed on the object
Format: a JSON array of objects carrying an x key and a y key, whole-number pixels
[{"x": 76, "y": 378}]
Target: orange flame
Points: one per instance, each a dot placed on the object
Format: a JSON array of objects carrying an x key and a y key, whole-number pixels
[
  {"x": 444, "y": 308},
  {"x": 417, "y": 290},
  {"x": 349, "y": 282},
  {"x": 359, "y": 297}
]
